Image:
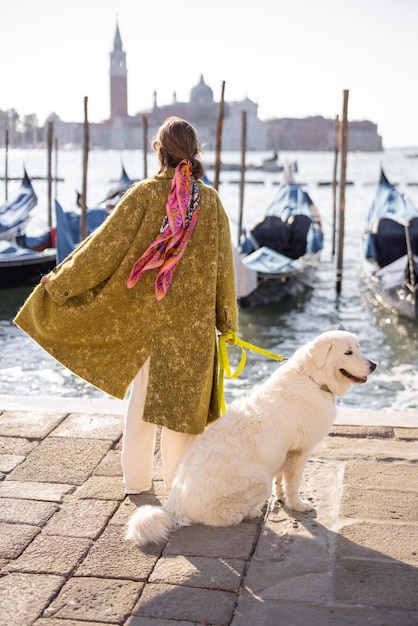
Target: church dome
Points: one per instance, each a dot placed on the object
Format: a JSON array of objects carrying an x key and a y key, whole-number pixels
[{"x": 201, "y": 93}]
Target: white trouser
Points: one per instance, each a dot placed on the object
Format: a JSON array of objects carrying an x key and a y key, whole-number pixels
[{"x": 138, "y": 445}]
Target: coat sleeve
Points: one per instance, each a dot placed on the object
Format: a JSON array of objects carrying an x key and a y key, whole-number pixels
[
  {"x": 97, "y": 257},
  {"x": 226, "y": 294}
]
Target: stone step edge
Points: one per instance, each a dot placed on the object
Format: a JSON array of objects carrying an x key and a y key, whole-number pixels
[{"x": 346, "y": 416}]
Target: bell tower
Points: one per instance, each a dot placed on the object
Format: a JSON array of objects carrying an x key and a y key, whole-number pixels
[{"x": 118, "y": 79}]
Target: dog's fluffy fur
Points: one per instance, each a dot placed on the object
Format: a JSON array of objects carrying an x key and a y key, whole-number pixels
[{"x": 228, "y": 472}]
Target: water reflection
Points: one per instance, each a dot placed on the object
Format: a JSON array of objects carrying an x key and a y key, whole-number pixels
[{"x": 11, "y": 300}]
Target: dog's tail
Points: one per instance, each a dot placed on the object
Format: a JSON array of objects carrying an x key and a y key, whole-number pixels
[{"x": 150, "y": 524}]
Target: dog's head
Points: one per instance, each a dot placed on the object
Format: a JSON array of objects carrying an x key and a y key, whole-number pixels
[{"x": 334, "y": 361}]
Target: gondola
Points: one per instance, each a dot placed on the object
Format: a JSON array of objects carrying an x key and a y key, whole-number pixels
[
  {"x": 68, "y": 222},
  {"x": 20, "y": 263},
  {"x": 390, "y": 250},
  {"x": 15, "y": 213},
  {"x": 21, "y": 266},
  {"x": 283, "y": 248}
]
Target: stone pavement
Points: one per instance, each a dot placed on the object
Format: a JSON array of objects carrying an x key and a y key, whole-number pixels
[{"x": 64, "y": 560}]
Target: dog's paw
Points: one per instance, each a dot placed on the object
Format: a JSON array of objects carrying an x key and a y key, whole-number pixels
[
  {"x": 302, "y": 506},
  {"x": 278, "y": 492},
  {"x": 254, "y": 513}
]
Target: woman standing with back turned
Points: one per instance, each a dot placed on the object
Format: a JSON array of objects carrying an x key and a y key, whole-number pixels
[{"x": 140, "y": 300}]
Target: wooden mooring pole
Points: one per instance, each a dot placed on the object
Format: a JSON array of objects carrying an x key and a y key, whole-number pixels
[
  {"x": 242, "y": 177},
  {"x": 83, "y": 199},
  {"x": 49, "y": 141},
  {"x": 56, "y": 168},
  {"x": 219, "y": 138},
  {"x": 343, "y": 172},
  {"x": 145, "y": 143},
  {"x": 6, "y": 163},
  {"x": 334, "y": 182}
]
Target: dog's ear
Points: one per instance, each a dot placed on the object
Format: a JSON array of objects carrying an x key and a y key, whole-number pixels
[{"x": 319, "y": 348}]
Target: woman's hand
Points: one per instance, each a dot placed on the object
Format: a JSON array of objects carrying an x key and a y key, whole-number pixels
[{"x": 44, "y": 280}]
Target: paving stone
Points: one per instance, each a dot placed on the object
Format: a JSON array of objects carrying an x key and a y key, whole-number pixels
[
  {"x": 406, "y": 433},
  {"x": 353, "y": 448},
  {"x": 158, "y": 468},
  {"x": 291, "y": 562},
  {"x": 50, "y": 621},
  {"x": 155, "y": 621},
  {"x": 91, "y": 426},
  {"x": 186, "y": 603},
  {"x": 49, "y": 554},
  {"x": 26, "y": 511},
  {"x": 344, "y": 563},
  {"x": 110, "y": 465},
  {"x": 50, "y": 492},
  {"x": 16, "y": 445},
  {"x": 29, "y": 424},
  {"x": 368, "y": 540},
  {"x": 14, "y": 538},
  {"x": 366, "y": 474},
  {"x": 114, "y": 557},
  {"x": 84, "y": 518},
  {"x": 9, "y": 461},
  {"x": 344, "y": 430},
  {"x": 321, "y": 483},
  {"x": 62, "y": 460},
  {"x": 253, "y": 612},
  {"x": 123, "y": 513},
  {"x": 102, "y": 488},
  {"x": 95, "y": 599},
  {"x": 24, "y": 596},
  {"x": 366, "y": 582},
  {"x": 380, "y": 432},
  {"x": 231, "y": 542},
  {"x": 373, "y": 504},
  {"x": 198, "y": 571}
]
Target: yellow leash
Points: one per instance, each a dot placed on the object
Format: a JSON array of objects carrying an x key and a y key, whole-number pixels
[{"x": 231, "y": 339}]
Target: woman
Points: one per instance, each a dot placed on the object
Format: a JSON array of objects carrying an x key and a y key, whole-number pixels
[{"x": 140, "y": 300}]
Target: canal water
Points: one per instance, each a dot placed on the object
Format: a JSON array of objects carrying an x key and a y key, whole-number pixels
[{"x": 25, "y": 369}]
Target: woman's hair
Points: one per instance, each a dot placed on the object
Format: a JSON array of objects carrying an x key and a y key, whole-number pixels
[{"x": 177, "y": 140}]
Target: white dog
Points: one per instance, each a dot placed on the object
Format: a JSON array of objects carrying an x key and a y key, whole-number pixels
[{"x": 227, "y": 474}]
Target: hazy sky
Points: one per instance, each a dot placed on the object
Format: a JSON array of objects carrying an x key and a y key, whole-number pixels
[{"x": 293, "y": 57}]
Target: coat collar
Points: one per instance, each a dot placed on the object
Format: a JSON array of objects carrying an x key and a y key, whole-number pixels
[{"x": 168, "y": 174}]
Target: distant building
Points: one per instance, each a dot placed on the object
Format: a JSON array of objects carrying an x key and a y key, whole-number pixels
[
  {"x": 310, "y": 133},
  {"x": 317, "y": 133},
  {"x": 363, "y": 136},
  {"x": 123, "y": 131},
  {"x": 202, "y": 111}
]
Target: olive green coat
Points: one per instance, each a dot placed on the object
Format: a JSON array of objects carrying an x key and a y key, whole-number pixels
[{"x": 103, "y": 332}]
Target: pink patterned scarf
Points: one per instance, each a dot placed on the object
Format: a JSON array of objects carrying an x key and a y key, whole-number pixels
[{"x": 183, "y": 205}]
